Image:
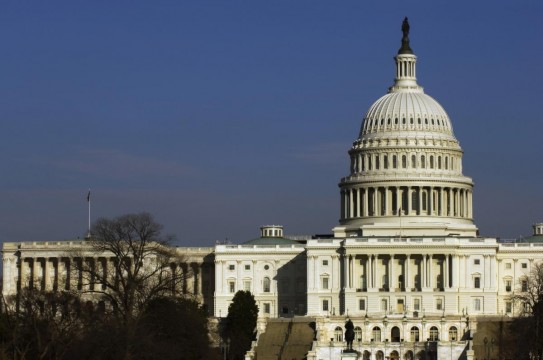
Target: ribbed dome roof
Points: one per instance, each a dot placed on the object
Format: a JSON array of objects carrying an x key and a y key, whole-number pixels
[{"x": 406, "y": 110}]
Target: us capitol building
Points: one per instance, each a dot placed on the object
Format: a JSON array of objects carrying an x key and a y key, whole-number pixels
[{"x": 405, "y": 263}]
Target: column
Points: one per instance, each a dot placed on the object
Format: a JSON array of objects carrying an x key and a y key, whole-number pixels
[
  {"x": 446, "y": 269},
  {"x": 431, "y": 201},
  {"x": 407, "y": 273},
  {"x": 492, "y": 268},
  {"x": 336, "y": 273},
  {"x": 441, "y": 201},
  {"x": 346, "y": 271},
  {"x": 219, "y": 279},
  {"x": 342, "y": 204},
  {"x": 430, "y": 272},
  {"x": 386, "y": 205},
  {"x": 419, "y": 210},
  {"x": 351, "y": 203},
  {"x": 366, "y": 202},
  {"x": 487, "y": 271},
  {"x": 399, "y": 199},
  {"x": 409, "y": 197},
  {"x": 358, "y": 198},
  {"x": 423, "y": 280},
  {"x": 392, "y": 276}
]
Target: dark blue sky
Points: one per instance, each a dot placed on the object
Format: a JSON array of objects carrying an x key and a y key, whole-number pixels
[{"x": 218, "y": 117}]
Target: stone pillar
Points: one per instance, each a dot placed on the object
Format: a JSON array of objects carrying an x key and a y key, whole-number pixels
[
  {"x": 441, "y": 201},
  {"x": 366, "y": 202},
  {"x": 431, "y": 272},
  {"x": 407, "y": 273},
  {"x": 346, "y": 279},
  {"x": 431, "y": 201},
  {"x": 409, "y": 197},
  {"x": 336, "y": 272},
  {"x": 386, "y": 205},
  {"x": 351, "y": 203},
  {"x": 392, "y": 282},
  {"x": 423, "y": 280},
  {"x": 446, "y": 270},
  {"x": 358, "y": 196},
  {"x": 419, "y": 210}
]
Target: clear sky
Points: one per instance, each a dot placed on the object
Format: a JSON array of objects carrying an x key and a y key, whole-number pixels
[{"x": 218, "y": 117}]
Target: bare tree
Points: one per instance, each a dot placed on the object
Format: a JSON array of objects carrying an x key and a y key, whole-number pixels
[
  {"x": 528, "y": 298},
  {"x": 132, "y": 263}
]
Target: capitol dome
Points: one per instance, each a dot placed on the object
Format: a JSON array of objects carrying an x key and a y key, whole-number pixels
[{"x": 406, "y": 166}]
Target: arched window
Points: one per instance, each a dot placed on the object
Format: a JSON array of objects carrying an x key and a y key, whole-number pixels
[
  {"x": 423, "y": 161},
  {"x": 369, "y": 163},
  {"x": 357, "y": 334},
  {"x": 385, "y": 162},
  {"x": 446, "y": 163},
  {"x": 377, "y": 162},
  {"x": 367, "y": 355},
  {"x": 453, "y": 333},
  {"x": 434, "y": 334},
  {"x": 394, "y": 162},
  {"x": 266, "y": 284},
  {"x": 380, "y": 355},
  {"x": 394, "y": 355},
  {"x": 408, "y": 355},
  {"x": 376, "y": 334},
  {"x": 395, "y": 334},
  {"x": 415, "y": 334},
  {"x": 413, "y": 161},
  {"x": 439, "y": 162},
  {"x": 404, "y": 161},
  {"x": 431, "y": 161},
  {"x": 338, "y": 334}
]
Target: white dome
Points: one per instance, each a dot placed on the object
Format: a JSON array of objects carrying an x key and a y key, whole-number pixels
[{"x": 406, "y": 110}]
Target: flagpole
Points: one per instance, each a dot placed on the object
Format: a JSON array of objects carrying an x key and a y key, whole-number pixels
[{"x": 89, "y": 203}]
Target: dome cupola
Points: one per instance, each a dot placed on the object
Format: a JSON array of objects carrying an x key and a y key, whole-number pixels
[{"x": 406, "y": 165}]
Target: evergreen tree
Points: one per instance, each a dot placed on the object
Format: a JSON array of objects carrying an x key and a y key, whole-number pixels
[{"x": 240, "y": 324}]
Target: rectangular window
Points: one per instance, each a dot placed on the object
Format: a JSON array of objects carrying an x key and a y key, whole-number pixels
[
  {"x": 384, "y": 305},
  {"x": 508, "y": 285},
  {"x": 247, "y": 267},
  {"x": 266, "y": 308},
  {"x": 508, "y": 265},
  {"x": 477, "y": 282},
  {"x": 416, "y": 304},
  {"x": 325, "y": 283},
  {"x": 524, "y": 285},
  {"x": 477, "y": 304},
  {"x": 232, "y": 286},
  {"x": 439, "y": 304},
  {"x": 362, "y": 304},
  {"x": 325, "y": 262},
  {"x": 247, "y": 285},
  {"x": 524, "y": 265},
  {"x": 231, "y": 267},
  {"x": 508, "y": 307},
  {"x": 325, "y": 306},
  {"x": 476, "y": 261}
]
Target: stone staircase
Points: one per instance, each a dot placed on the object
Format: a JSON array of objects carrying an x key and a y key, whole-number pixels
[{"x": 285, "y": 339}]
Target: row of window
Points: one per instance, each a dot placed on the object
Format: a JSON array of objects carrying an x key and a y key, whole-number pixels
[
  {"x": 378, "y": 162},
  {"x": 400, "y": 305},
  {"x": 266, "y": 285},
  {"x": 232, "y": 267},
  {"x": 372, "y": 124},
  {"x": 395, "y": 334}
]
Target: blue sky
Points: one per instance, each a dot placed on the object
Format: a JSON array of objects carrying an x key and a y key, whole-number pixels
[{"x": 218, "y": 117}]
